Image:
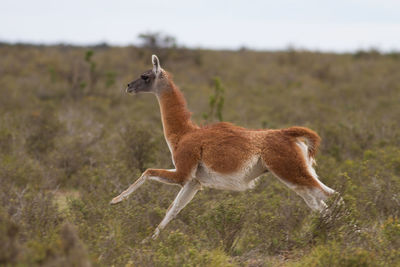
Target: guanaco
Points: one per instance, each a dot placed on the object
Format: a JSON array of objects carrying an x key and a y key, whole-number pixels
[{"x": 222, "y": 155}]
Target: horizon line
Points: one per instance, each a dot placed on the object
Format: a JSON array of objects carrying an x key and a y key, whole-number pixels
[{"x": 287, "y": 48}]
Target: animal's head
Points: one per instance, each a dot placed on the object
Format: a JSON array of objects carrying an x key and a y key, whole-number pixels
[{"x": 150, "y": 81}]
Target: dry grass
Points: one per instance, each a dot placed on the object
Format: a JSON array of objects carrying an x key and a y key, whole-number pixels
[{"x": 70, "y": 140}]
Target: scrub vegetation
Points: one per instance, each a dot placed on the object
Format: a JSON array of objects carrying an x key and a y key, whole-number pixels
[{"x": 71, "y": 139}]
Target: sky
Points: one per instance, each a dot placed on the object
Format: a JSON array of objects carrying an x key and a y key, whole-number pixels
[{"x": 318, "y": 25}]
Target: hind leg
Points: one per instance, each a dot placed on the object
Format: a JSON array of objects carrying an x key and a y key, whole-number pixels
[
  {"x": 313, "y": 196},
  {"x": 290, "y": 163}
]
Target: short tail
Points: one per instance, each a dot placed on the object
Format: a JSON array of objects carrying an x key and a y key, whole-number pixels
[{"x": 312, "y": 138}]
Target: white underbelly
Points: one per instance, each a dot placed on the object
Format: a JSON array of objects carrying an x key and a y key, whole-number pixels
[{"x": 240, "y": 180}]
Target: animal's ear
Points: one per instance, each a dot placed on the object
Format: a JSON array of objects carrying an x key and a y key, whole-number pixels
[{"x": 156, "y": 64}]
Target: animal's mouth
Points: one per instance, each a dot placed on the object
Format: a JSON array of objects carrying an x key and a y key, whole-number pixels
[{"x": 130, "y": 90}]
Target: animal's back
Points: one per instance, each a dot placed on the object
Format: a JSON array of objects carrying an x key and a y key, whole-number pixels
[{"x": 224, "y": 147}]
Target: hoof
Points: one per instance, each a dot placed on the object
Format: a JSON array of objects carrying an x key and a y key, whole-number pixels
[
  {"x": 116, "y": 200},
  {"x": 156, "y": 234}
]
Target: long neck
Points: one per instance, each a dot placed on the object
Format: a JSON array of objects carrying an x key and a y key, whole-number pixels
[{"x": 174, "y": 113}]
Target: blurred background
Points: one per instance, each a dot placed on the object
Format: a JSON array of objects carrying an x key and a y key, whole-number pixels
[{"x": 71, "y": 138}]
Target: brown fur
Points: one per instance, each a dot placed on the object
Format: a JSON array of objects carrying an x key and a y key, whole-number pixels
[
  {"x": 284, "y": 158},
  {"x": 175, "y": 115},
  {"x": 312, "y": 138},
  {"x": 224, "y": 147}
]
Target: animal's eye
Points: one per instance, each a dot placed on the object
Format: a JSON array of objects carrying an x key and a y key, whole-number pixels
[{"x": 144, "y": 77}]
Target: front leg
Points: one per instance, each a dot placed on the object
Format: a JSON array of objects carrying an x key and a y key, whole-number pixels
[
  {"x": 182, "y": 199},
  {"x": 164, "y": 176}
]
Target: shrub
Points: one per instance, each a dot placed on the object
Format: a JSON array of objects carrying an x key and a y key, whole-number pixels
[
  {"x": 140, "y": 146},
  {"x": 391, "y": 231},
  {"x": 333, "y": 254},
  {"x": 6, "y": 141},
  {"x": 177, "y": 250},
  {"x": 43, "y": 129},
  {"x": 9, "y": 244},
  {"x": 216, "y": 102},
  {"x": 225, "y": 222}
]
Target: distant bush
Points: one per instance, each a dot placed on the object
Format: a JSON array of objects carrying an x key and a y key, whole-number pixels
[
  {"x": 92, "y": 69},
  {"x": 154, "y": 40},
  {"x": 363, "y": 54},
  {"x": 216, "y": 102},
  {"x": 6, "y": 141},
  {"x": 139, "y": 147},
  {"x": 43, "y": 129}
]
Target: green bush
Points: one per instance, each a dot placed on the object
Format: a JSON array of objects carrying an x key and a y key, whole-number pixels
[
  {"x": 139, "y": 147},
  {"x": 224, "y": 223},
  {"x": 333, "y": 254},
  {"x": 43, "y": 129}
]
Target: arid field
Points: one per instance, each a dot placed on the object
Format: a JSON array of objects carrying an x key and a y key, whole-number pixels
[{"x": 71, "y": 139}]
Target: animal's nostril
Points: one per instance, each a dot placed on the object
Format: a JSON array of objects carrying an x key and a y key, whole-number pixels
[{"x": 128, "y": 85}]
